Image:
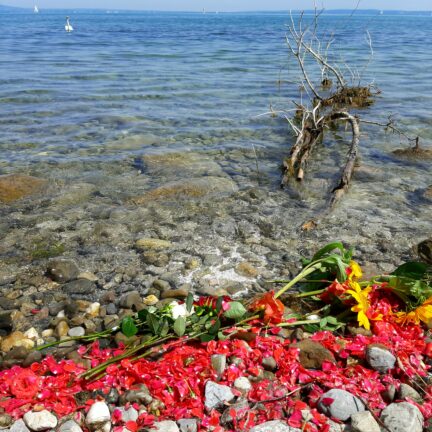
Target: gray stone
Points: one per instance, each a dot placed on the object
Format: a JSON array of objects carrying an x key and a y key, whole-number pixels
[
  {"x": 19, "y": 426},
  {"x": 40, "y": 421},
  {"x": 269, "y": 363},
  {"x": 338, "y": 427},
  {"x": 402, "y": 417},
  {"x": 216, "y": 395},
  {"x": 240, "y": 408},
  {"x": 364, "y": 422},
  {"x": 165, "y": 426},
  {"x": 343, "y": 406},
  {"x": 80, "y": 286},
  {"x": 111, "y": 309},
  {"x": 188, "y": 425},
  {"x": 62, "y": 270},
  {"x": 380, "y": 358},
  {"x": 140, "y": 395},
  {"x": 130, "y": 300},
  {"x": 242, "y": 384},
  {"x": 218, "y": 362},
  {"x": 70, "y": 426},
  {"x": 130, "y": 414},
  {"x": 98, "y": 414},
  {"x": 406, "y": 391},
  {"x": 274, "y": 426},
  {"x": 76, "y": 332}
]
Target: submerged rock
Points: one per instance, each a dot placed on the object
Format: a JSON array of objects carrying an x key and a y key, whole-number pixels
[
  {"x": 16, "y": 186},
  {"x": 62, "y": 271}
]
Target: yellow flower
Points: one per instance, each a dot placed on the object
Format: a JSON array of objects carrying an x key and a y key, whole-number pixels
[
  {"x": 361, "y": 296},
  {"x": 422, "y": 313},
  {"x": 356, "y": 271}
]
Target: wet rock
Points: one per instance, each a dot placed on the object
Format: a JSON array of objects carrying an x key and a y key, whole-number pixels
[
  {"x": 243, "y": 385},
  {"x": 16, "y": 186},
  {"x": 131, "y": 300},
  {"x": 217, "y": 395},
  {"x": 165, "y": 426},
  {"x": 19, "y": 426},
  {"x": 339, "y": 404},
  {"x": 188, "y": 425},
  {"x": 186, "y": 189},
  {"x": 402, "y": 417},
  {"x": 40, "y": 420},
  {"x": 69, "y": 426},
  {"x": 424, "y": 248},
  {"x": 380, "y": 358},
  {"x": 152, "y": 243},
  {"x": 89, "y": 276},
  {"x": 175, "y": 293},
  {"x": 79, "y": 286},
  {"x": 161, "y": 285},
  {"x": 62, "y": 329},
  {"x": 364, "y": 422},
  {"x": 274, "y": 426},
  {"x": 98, "y": 415},
  {"x": 140, "y": 395},
  {"x": 313, "y": 354},
  {"x": 246, "y": 269},
  {"x": 6, "y": 320},
  {"x": 62, "y": 271},
  {"x": 406, "y": 391}
]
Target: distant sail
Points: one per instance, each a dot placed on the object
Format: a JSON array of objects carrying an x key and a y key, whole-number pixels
[{"x": 36, "y": 10}]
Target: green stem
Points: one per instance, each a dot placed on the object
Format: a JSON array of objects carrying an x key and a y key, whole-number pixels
[
  {"x": 87, "y": 338},
  {"x": 310, "y": 293},
  {"x": 297, "y": 323},
  {"x": 305, "y": 272}
]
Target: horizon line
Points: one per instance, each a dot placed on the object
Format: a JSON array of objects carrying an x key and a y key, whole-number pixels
[{"x": 219, "y": 11}]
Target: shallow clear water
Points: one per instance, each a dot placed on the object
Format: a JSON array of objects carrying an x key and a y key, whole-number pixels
[{"x": 81, "y": 109}]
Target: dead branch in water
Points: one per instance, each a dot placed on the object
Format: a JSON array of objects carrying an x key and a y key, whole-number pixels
[{"x": 330, "y": 99}]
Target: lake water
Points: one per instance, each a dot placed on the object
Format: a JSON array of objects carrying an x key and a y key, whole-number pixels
[{"x": 130, "y": 102}]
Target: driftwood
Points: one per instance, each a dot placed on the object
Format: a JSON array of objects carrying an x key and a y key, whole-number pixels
[{"x": 325, "y": 103}]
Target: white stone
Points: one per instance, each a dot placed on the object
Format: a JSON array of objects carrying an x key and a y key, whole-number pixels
[
  {"x": 165, "y": 426},
  {"x": 70, "y": 426},
  {"x": 19, "y": 426},
  {"x": 274, "y": 426},
  {"x": 31, "y": 333},
  {"x": 76, "y": 332},
  {"x": 364, "y": 422},
  {"x": 99, "y": 413},
  {"x": 40, "y": 421},
  {"x": 243, "y": 385},
  {"x": 47, "y": 333},
  {"x": 93, "y": 309}
]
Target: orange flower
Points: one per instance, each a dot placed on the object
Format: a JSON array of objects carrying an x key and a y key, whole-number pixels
[
  {"x": 422, "y": 313},
  {"x": 272, "y": 307}
]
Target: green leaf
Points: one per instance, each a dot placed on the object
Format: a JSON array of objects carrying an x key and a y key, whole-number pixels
[
  {"x": 328, "y": 248},
  {"x": 214, "y": 329},
  {"x": 219, "y": 304},
  {"x": 189, "y": 302},
  {"x": 413, "y": 270},
  {"x": 180, "y": 326},
  {"x": 236, "y": 310},
  {"x": 142, "y": 314},
  {"x": 153, "y": 323},
  {"x": 128, "y": 327},
  {"x": 207, "y": 337},
  {"x": 164, "y": 328},
  {"x": 323, "y": 323},
  {"x": 332, "y": 320}
]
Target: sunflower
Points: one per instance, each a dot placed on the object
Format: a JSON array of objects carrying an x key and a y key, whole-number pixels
[
  {"x": 422, "y": 313},
  {"x": 361, "y": 296}
]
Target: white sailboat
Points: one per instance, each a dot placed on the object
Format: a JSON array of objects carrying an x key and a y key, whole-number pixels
[{"x": 36, "y": 9}]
